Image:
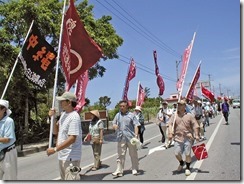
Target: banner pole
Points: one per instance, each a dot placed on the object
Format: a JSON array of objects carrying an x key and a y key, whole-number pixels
[
  {"x": 180, "y": 93},
  {"x": 16, "y": 61},
  {"x": 137, "y": 96},
  {"x": 56, "y": 75}
]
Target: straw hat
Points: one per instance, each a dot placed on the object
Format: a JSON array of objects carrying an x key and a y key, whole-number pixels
[
  {"x": 5, "y": 103},
  {"x": 138, "y": 108},
  {"x": 183, "y": 102},
  {"x": 95, "y": 113}
]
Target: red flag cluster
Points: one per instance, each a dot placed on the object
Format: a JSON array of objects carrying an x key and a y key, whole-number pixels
[
  {"x": 208, "y": 94},
  {"x": 79, "y": 52}
]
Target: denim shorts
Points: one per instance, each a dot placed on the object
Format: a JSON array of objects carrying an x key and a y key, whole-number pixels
[{"x": 183, "y": 147}]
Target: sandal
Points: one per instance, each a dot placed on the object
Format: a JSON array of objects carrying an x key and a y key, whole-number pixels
[{"x": 93, "y": 168}]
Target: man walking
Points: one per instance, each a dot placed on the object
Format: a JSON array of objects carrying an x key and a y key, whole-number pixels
[
  {"x": 8, "y": 156},
  {"x": 69, "y": 133},
  {"x": 126, "y": 125},
  {"x": 225, "y": 110},
  {"x": 183, "y": 126}
]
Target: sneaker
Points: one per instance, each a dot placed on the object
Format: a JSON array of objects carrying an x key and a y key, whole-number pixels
[
  {"x": 180, "y": 167},
  {"x": 94, "y": 169},
  {"x": 116, "y": 173},
  {"x": 187, "y": 172},
  {"x": 134, "y": 172}
]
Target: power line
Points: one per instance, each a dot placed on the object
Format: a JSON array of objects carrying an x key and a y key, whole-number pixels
[{"x": 140, "y": 31}]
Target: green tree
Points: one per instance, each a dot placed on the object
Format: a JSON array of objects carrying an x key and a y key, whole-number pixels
[
  {"x": 30, "y": 103},
  {"x": 104, "y": 101}
]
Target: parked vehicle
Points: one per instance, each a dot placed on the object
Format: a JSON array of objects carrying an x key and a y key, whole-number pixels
[{"x": 236, "y": 103}]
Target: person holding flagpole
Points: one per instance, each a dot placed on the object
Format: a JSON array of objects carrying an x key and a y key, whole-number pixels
[
  {"x": 185, "y": 128},
  {"x": 69, "y": 139}
]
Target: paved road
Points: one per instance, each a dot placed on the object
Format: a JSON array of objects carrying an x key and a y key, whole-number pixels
[{"x": 224, "y": 162}]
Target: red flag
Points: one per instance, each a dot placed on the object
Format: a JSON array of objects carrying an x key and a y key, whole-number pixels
[
  {"x": 190, "y": 92},
  {"x": 140, "y": 96},
  {"x": 208, "y": 94},
  {"x": 132, "y": 70},
  {"x": 81, "y": 90},
  {"x": 155, "y": 61},
  {"x": 131, "y": 74},
  {"x": 160, "y": 83},
  {"x": 79, "y": 51},
  {"x": 185, "y": 63}
]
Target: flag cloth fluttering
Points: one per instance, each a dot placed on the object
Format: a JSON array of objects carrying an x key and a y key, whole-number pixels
[
  {"x": 208, "y": 94},
  {"x": 79, "y": 51},
  {"x": 131, "y": 74},
  {"x": 191, "y": 89},
  {"x": 81, "y": 90},
  {"x": 140, "y": 96},
  {"x": 160, "y": 81},
  {"x": 38, "y": 57},
  {"x": 185, "y": 62}
]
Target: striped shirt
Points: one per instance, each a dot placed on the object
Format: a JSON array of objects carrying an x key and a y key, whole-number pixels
[{"x": 70, "y": 124}]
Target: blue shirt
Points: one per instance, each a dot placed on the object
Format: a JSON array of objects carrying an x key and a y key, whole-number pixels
[
  {"x": 7, "y": 130},
  {"x": 126, "y": 123}
]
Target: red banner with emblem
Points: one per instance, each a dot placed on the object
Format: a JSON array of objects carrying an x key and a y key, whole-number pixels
[{"x": 79, "y": 51}]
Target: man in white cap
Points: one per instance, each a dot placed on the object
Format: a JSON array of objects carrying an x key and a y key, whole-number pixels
[
  {"x": 69, "y": 139},
  {"x": 183, "y": 128},
  {"x": 8, "y": 156},
  {"x": 198, "y": 114}
]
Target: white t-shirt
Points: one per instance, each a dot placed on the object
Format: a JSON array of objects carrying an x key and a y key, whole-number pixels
[{"x": 70, "y": 124}]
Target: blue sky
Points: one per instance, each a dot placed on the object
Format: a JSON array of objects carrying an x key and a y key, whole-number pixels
[{"x": 172, "y": 24}]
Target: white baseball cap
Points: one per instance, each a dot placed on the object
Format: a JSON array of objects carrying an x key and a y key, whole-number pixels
[{"x": 5, "y": 103}]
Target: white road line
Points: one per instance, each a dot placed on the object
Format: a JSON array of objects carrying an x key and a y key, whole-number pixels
[
  {"x": 199, "y": 163},
  {"x": 111, "y": 156}
]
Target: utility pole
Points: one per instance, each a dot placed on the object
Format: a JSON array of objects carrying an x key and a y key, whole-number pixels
[
  {"x": 220, "y": 89},
  {"x": 177, "y": 73},
  {"x": 209, "y": 82},
  {"x": 213, "y": 90}
]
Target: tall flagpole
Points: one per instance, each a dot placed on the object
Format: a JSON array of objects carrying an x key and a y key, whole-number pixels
[
  {"x": 56, "y": 74},
  {"x": 137, "y": 97},
  {"x": 179, "y": 95},
  {"x": 16, "y": 61}
]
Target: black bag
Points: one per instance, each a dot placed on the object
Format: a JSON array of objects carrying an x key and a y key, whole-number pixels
[
  {"x": 198, "y": 117},
  {"x": 3, "y": 151}
]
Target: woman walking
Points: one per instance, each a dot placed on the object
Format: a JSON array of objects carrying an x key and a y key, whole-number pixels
[{"x": 95, "y": 135}]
